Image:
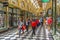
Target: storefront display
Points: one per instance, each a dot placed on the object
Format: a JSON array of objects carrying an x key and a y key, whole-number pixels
[
  {"x": 10, "y": 20},
  {"x": 2, "y": 19},
  {"x": 2, "y": 16},
  {"x": 10, "y": 10},
  {"x": 13, "y": 17},
  {"x": 14, "y": 11},
  {"x": 58, "y": 15},
  {"x": 10, "y": 17},
  {"x": 18, "y": 11},
  {"x": 18, "y": 15},
  {"x": 14, "y": 20}
]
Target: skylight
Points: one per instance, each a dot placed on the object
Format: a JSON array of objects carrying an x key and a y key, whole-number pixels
[{"x": 35, "y": 3}]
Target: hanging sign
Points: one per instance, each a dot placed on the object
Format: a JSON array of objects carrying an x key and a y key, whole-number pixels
[{"x": 44, "y": 1}]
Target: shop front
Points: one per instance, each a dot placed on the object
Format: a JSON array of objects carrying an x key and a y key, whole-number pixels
[
  {"x": 2, "y": 18},
  {"x": 18, "y": 14},
  {"x": 58, "y": 15},
  {"x": 12, "y": 17}
]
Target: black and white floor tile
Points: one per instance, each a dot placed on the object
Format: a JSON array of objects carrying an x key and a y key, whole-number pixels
[{"x": 41, "y": 34}]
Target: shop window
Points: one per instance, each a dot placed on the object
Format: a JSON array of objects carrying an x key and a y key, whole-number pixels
[
  {"x": 13, "y": 17},
  {"x": 58, "y": 15},
  {"x": 10, "y": 10},
  {"x": 12, "y": 20},
  {"x": 2, "y": 19},
  {"x": 1, "y": 6},
  {"x": 18, "y": 11},
  {"x": 14, "y": 10}
]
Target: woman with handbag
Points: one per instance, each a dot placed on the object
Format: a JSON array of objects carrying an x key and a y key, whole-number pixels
[
  {"x": 23, "y": 28},
  {"x": 20, "y": 23}
]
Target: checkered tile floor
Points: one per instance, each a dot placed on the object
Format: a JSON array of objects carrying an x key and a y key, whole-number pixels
[{"x": 41, "y": 34}]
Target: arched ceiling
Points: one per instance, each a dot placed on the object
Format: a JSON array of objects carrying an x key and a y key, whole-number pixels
[{"x": 34, "y": 6}]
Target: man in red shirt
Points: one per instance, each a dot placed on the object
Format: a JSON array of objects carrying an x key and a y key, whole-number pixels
[{"x": 33, "y": 24}]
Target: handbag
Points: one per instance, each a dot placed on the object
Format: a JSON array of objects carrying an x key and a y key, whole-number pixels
[{"x": 23, "y": 27}]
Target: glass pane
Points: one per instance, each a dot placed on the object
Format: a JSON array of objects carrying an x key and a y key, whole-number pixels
[
  {"x": 18, "y": 11},
  {"x": 10, "y": 10},
  {"x": 2, "y": 19},
  {"x": 14, "y": 11},
  {"x": 12, "y": 20},
  {"x": 1, "y": 6},
  {"x": 58, "y": 15},
  {"x": 15, "y": 20}
]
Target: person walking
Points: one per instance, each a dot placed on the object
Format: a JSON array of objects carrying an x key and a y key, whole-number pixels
[
  {"x": 20, "y": 23},
  {"x": 33, "y": 24},
  {"x": 27, "y": 24},
  {"x": 41, "y": 21}
]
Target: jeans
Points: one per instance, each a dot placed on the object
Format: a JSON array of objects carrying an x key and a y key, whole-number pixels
[
  {"x": 27, "y": 28},
  {"x": 41, "y": 23},
  {"x": 19, "y": 32},
  {"x": 33, "y": 28}
]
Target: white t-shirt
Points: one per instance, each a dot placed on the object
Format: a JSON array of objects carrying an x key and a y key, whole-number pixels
[{"x": 21, "y": 23}]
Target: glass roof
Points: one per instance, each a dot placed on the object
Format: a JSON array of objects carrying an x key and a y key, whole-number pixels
[{"x": 35, "y": 3}]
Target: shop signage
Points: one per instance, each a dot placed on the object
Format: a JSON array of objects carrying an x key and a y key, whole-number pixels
[
  {"x": 1, "y": 6},
  {"x": 44, "y": 1},
  {"x": 5, "y": 4}
]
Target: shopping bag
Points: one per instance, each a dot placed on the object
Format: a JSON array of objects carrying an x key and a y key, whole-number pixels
[{"x": 23, "y": 27}]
